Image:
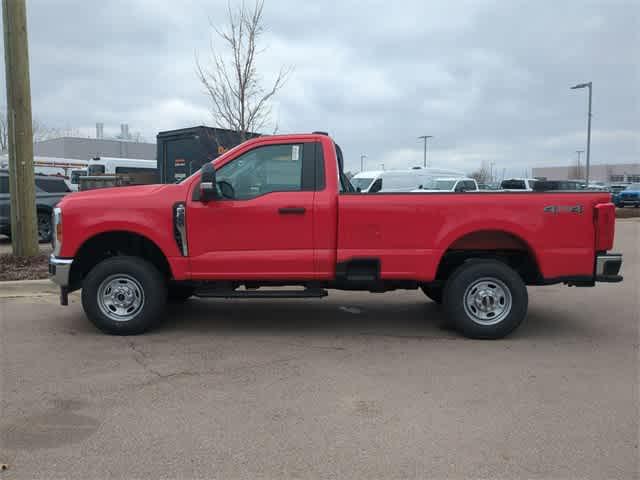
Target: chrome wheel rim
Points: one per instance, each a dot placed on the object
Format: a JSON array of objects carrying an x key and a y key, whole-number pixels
[
  {"x": 120, "y": 297},
  {"x": 487, "y": 301}
]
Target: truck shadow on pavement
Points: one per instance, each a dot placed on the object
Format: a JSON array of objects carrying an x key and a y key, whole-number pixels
[
  {"x": 267, "y": 317},
  {"x": 418, "y": 318}
]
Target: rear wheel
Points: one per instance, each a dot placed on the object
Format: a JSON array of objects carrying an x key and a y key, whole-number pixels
[
  {"x": 486, "y": 299},
  {"x": 124, "y": 295}
]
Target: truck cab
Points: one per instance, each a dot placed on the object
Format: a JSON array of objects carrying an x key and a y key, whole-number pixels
[{"x": 277, "y": 211}]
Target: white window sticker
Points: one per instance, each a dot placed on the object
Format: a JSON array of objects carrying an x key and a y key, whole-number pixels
[{"x": 295, "y": 153}]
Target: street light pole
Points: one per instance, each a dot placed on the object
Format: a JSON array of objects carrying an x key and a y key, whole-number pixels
[
  {"x": 588, "y": 85},
  {"x": 579, "y": 173},
  {"x": 362, "y": 157},
  {"x": 425, "y": 138}
]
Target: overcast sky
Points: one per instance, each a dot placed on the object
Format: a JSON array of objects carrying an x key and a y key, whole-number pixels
[{"x": 488, "y": 79}]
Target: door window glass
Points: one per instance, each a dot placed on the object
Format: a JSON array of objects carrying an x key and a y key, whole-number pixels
[{"x": 272, "y": 168}]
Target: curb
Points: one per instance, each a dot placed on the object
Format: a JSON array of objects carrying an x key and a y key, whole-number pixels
[{"x": 28, "y": 288}]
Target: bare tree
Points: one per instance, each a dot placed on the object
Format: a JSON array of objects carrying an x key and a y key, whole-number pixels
[
  {"x": 238, "y": 100},
  {"x": 481, "y": 175},
  {"x": 4, "y": 132},
  {"x": 40, "y": 131}
]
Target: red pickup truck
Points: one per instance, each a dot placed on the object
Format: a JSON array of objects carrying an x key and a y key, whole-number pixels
[{"x": 277, "y": 211}]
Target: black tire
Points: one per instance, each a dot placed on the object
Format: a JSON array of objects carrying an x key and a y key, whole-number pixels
[
  {"x": 496, "y": 285},
  {"x": 434, "y": 293},
  {"x": 177, "y": 293},
  {"x": 44, "y": 227},
  {"x": 132, "y": 275}
]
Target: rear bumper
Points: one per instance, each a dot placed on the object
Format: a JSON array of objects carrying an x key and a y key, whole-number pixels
[{"x": 608, "y": 267}]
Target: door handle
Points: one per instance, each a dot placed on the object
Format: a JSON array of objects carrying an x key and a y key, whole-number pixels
[{"x": 292, "y": 210}]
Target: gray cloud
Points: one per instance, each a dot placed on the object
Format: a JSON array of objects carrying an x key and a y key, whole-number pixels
[{"x": 489, "y": 79}]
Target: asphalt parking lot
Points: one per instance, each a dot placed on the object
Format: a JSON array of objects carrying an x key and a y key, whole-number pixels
[{"x": 355, "y": 385}]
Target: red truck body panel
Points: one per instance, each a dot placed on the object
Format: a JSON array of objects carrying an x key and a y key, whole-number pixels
[
  {"x": 408, "y": 233},
  {"x": 411, "y": 232}
]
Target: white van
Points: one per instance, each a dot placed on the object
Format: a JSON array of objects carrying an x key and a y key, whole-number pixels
[
  {"x": 450, "y": 184},
  {"x": 120, "y": 166},
  {"x": 74, "y": 178},
  {"x": 52, "y": 166},
  {"x": 399, "y": 180}
]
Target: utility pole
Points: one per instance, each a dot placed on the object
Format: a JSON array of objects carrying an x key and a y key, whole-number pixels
[
  {"x": 425, "y": 138},
  {"x": 24, "y": 232},
  {"x": 588, "y": 85}
]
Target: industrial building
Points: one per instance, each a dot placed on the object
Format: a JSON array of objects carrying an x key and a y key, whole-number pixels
[
  {"x": 607, "y": 173},
  {"x": 86, "y": 148}
]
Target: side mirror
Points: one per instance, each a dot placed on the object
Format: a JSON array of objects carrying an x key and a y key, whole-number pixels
[{"x": 208, "y": 190}]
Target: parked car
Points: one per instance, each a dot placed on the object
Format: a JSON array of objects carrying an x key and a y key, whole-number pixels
[
  {"x": 628, "y": 197},
  {"x": 49, "y": 191},
  {"x": 450, "y": 185},
  {"x": 278, "y": 211},
  {"x": 518, "y": 184},
  {"x": 398, "y": 180},
  {"x": 563, "y": 185}
]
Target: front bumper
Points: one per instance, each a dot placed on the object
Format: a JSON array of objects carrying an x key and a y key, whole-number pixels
[
  {"x": 608, "y": 267},
  {"x": 59, "y": 269}
]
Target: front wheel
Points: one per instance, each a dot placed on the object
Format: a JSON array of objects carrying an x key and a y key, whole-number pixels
[
  {"x": 124, "y": 295},
  {"x": 486, "y": 299}
]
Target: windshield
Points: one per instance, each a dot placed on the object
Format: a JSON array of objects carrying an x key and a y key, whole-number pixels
[
  {"x": 444, "y": 184},
  {"x": 361, "y": 183},
  {"x": 633, "y": 186}
]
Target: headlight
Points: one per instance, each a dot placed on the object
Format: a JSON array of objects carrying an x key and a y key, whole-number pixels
[{"x": 56, "y": 223}]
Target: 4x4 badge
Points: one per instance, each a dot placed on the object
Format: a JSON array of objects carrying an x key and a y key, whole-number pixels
[{"x": 555, "y": 209}]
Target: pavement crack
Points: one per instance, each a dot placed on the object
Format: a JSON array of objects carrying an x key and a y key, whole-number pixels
[
  {"x": 159, "y": 377},
  {"x": 140, "y": 357}
]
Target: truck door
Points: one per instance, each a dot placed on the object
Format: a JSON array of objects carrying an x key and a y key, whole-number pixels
[{"x": 261, "y": 227}]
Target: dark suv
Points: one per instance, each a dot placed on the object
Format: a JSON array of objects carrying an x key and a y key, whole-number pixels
[{"x": 49, "y": 191}]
